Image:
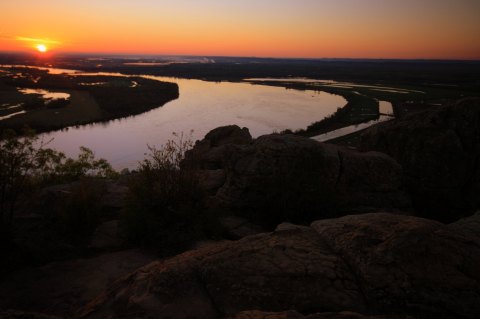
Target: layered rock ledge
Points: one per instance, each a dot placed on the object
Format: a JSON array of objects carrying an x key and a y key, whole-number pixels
[
  {"x": 439, "y": 151},
  {"x": 290, "y": 177},
  {"x": 371, "y": 264}
]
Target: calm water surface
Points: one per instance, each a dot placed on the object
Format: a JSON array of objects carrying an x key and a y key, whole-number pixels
[{"x": 201, "y": 107}]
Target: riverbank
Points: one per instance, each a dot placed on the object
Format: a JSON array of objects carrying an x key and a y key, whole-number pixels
[
  {"x": 363, "y": 108},
  {"x": 44, "y": 101}
]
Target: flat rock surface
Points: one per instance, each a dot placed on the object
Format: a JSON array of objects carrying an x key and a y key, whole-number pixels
[{"x": 372, "y": 264}]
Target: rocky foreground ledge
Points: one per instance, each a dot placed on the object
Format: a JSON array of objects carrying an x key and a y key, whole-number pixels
[
  {"x": 375, "y": 265},
  {"x": 372, "y": 264},
  {"x": 382, "y": 260}
]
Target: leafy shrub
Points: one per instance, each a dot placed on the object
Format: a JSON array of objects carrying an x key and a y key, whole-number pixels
[
  {"x": 26, "y": 164},
  {"x": 84, "y": 165},
  {"x": 17, "y": 162},
  {"x": 164, "y": 208}
]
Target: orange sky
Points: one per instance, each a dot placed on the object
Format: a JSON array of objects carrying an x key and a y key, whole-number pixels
[{"x": 445, "y": 29}]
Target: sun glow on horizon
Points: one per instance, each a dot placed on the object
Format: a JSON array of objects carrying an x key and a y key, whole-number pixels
[
  {"x": 408, "y": 29},
  {"x": 42, "y": 48}
]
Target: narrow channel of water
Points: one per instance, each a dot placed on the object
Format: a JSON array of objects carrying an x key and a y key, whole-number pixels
[{"x": 350, "y": 129}]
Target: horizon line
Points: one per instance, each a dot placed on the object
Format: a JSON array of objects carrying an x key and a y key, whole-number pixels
[{"x": 60, "y": 53}]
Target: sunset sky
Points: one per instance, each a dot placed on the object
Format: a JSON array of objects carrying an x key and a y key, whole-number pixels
[{"x": 441, "y": 29}]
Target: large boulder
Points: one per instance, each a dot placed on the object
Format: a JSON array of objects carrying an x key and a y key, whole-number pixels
[
  {"x": 231, "y": 134},
  {"x": 372, "y": 264},
  {"x": 409, "y": 263},
  {"x": 295, "y": 171},
  {"x": 288, "y": 270},
  {"x": 210, "y": 153},
  {"x": 439, "y": 150},
  {"x": 287, "y": 177}
]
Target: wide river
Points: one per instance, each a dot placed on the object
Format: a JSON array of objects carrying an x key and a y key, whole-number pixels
[{"x": 201, "y": 107}]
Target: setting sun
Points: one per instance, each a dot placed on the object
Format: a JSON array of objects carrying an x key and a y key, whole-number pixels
[{"x": 41, "y": 48}]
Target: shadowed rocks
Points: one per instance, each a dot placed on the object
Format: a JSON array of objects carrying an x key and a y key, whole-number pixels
[
  {"x": 370, "y": 264},
  {"x": 60, "y": 288},
  {"x": 408, "y": 263},
  {"x": 439, "y": 151},
  {"x": 287, "y": 177},
  {"x": 362, "y": 266}
]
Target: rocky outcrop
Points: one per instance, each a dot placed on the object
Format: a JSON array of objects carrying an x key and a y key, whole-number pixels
[
  {"x": 295, "y": 171},
  {"x": 439, "y": 151},
  {"x": 370, "y": 264},
  {"x": 211, "y": 152},
  {"x": 231, "y": 134},
  {"x": 287, "y": 177},
  {"x": 403, "y": 262}
]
